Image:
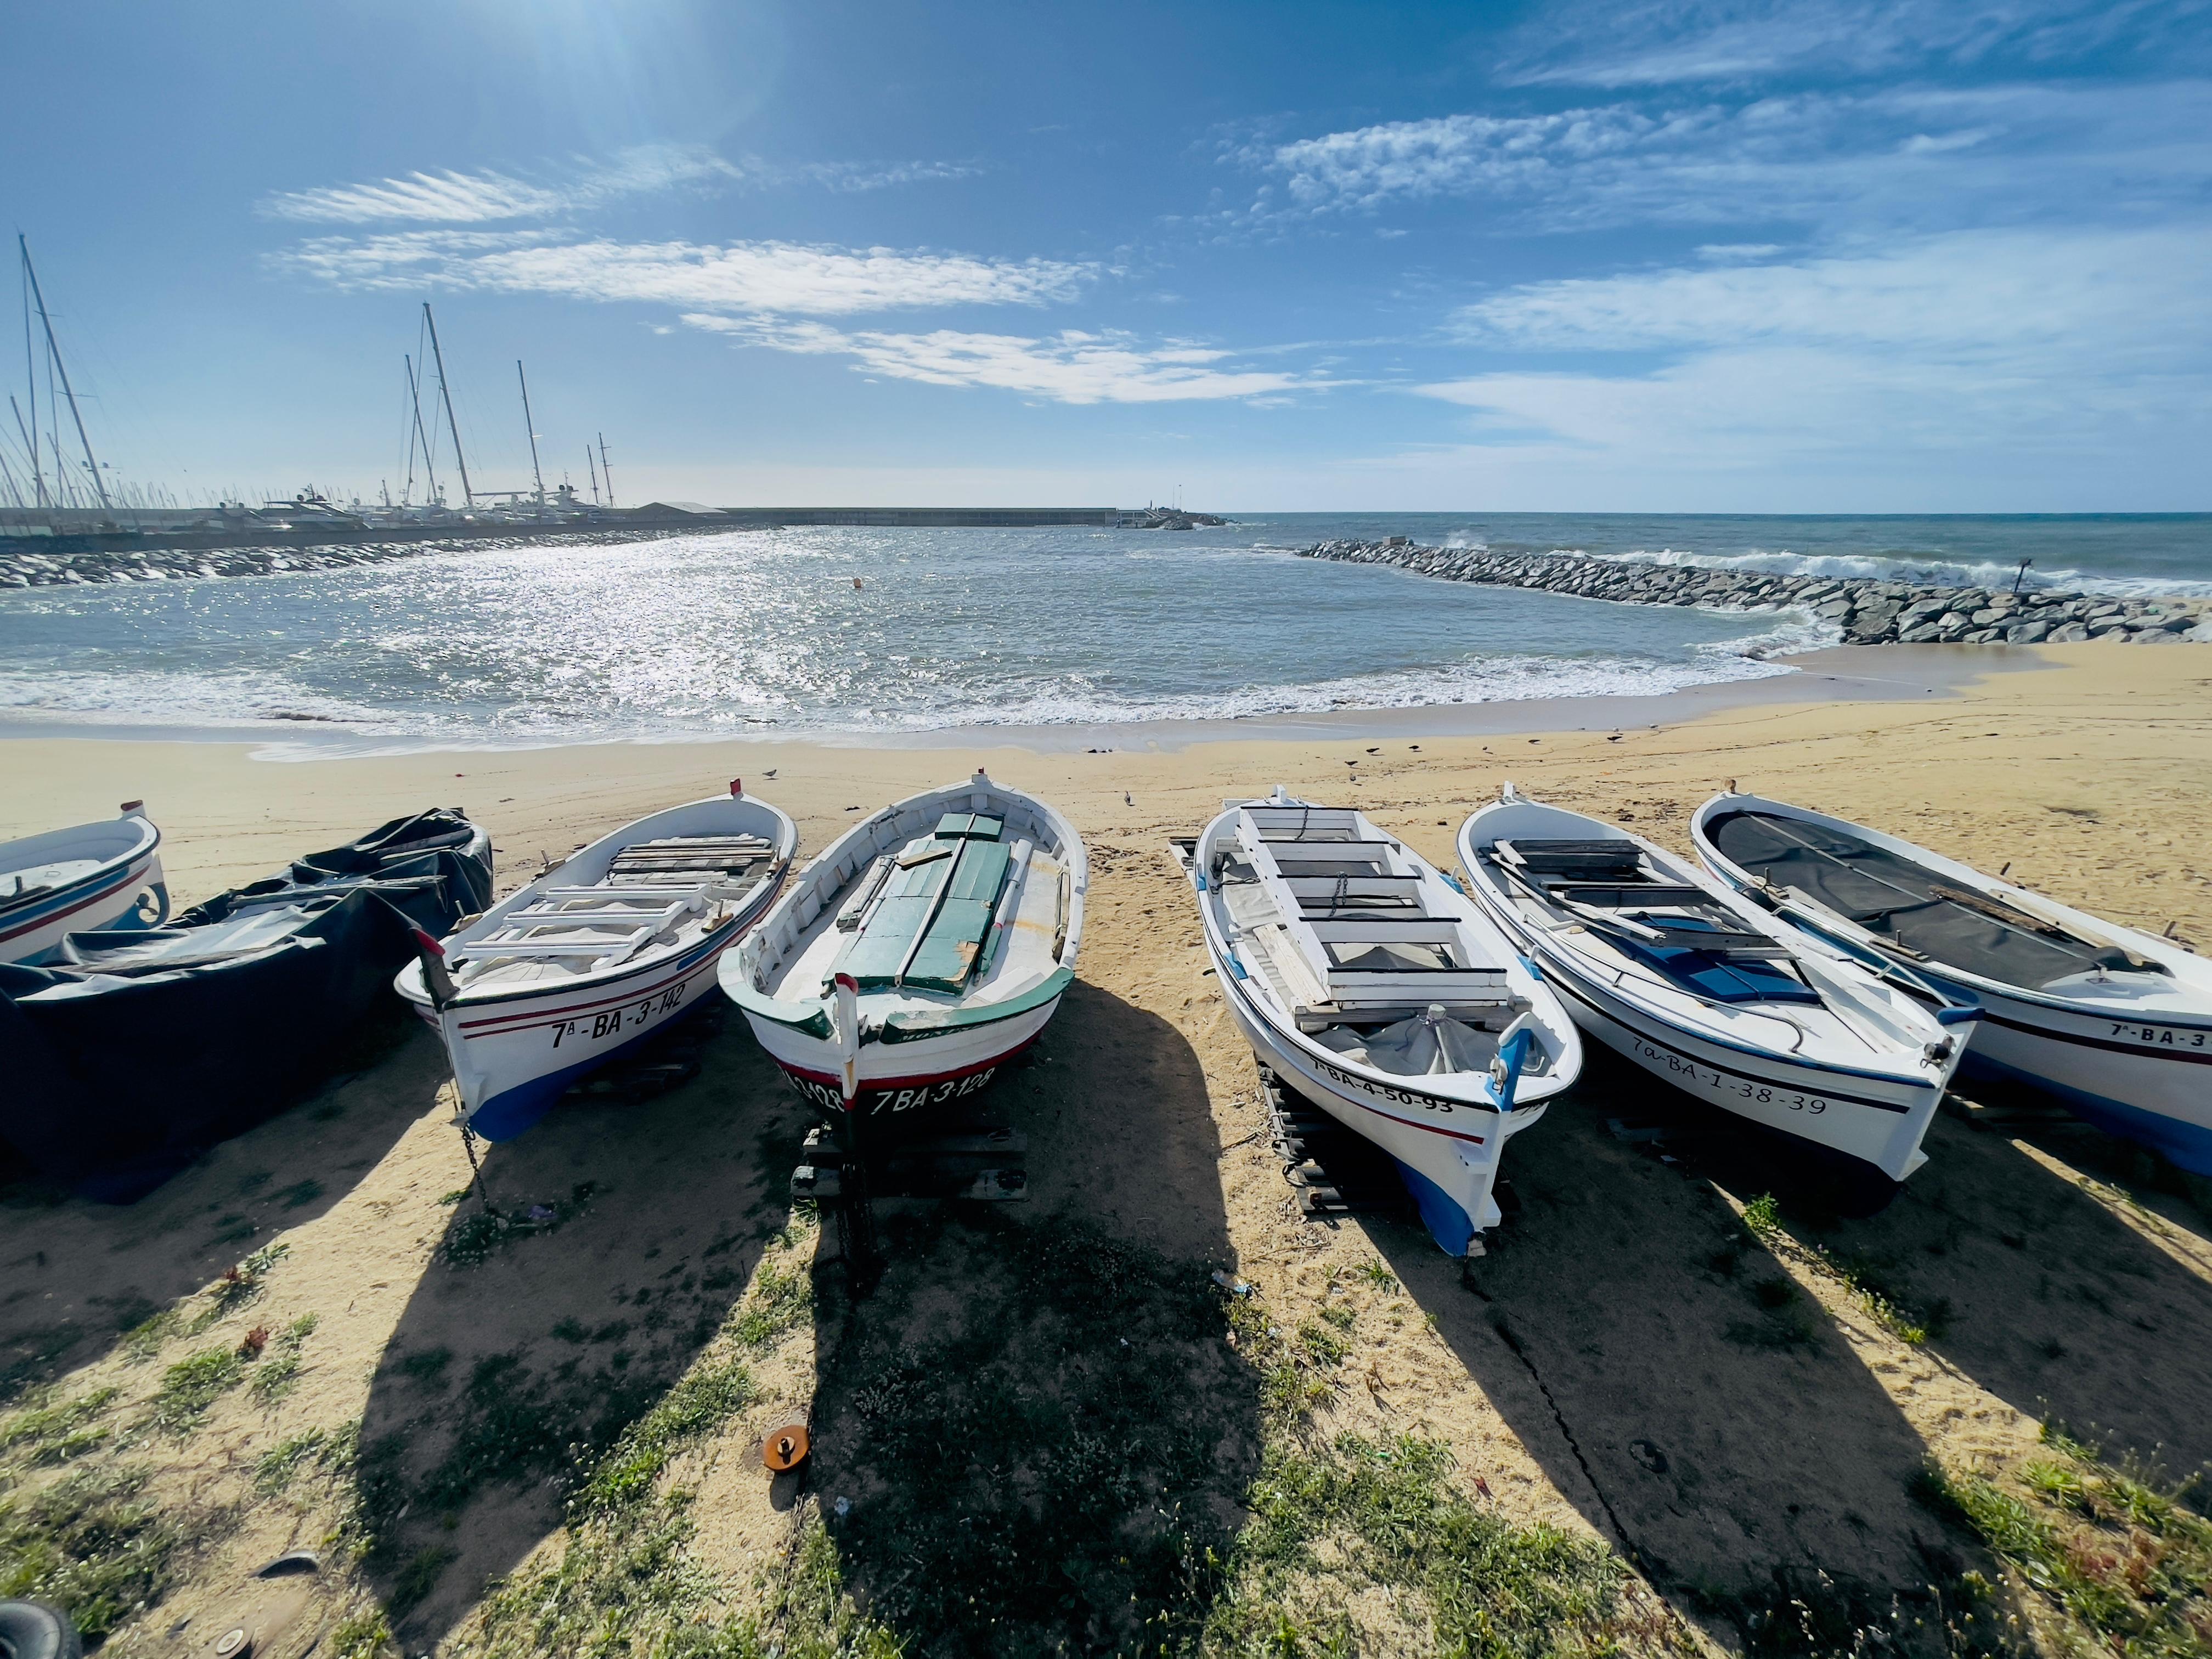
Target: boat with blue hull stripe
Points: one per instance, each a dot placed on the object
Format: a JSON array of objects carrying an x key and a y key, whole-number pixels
[
  {"x": 592, "y": 959},
  {"x": 2114, "y": 1022},
  {"x": 1374, "y": 990},
  {"x": 1675, "y": 971}
]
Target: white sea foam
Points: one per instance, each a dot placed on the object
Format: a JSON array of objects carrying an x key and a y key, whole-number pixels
[{"x": 251, "y": 707}]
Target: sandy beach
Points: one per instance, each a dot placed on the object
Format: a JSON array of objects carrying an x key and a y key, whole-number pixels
[{"x": 1736, "y": 1415}]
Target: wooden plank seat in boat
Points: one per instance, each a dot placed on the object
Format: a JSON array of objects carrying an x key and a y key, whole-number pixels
[
  {"x": 1292, "y": 824},
  {"x": 1354, "y": 889},
  {"x": 1401, "y": 961},
  {"x": 1291, "y": 856},
  {"x": 655, "y": 917},
  {"x": 631, "y": 892},
  {"x": 1599, "y": 861},
  {"x": 688, "y": 854},
  {"x": 926, "y": 929},
  {"x": 607, "y": 949}
]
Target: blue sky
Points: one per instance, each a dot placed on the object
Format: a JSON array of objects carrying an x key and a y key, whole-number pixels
[{"x": 1895, "y": 256}]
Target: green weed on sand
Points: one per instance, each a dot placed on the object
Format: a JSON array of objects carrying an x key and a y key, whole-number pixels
[
  {"x": 55, "y": 1432},
  {"x": 91, "y": 1544},
  {"x": 2104, "y": 1559},
  {"x": 1327, "y": 1524}
]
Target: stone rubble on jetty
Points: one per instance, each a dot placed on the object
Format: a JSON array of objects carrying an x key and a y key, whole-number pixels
[
  {"x": 1864, "y": 611},
  {"x": 147, "y": 564}
]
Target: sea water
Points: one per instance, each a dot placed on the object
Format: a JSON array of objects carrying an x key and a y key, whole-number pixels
[{"x": 824, "y": 631}]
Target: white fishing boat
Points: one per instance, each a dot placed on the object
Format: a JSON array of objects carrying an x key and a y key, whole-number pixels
[
  {"x": 2115, "y": 1022},
  {"x": 593, "y": 959},
  {"x": 84, "y": 879},
  {"x": 1663, "y": 964},
  {"x": 1371, "y": 987},
  {"x": 918, "y": 953}
]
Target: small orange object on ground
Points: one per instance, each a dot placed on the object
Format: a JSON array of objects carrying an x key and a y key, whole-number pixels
[{"x": 785, "y": 1448}]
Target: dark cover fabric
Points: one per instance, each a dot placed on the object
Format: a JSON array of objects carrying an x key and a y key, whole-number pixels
[
  {"x": 167, "y": 1041},
  {"x": 1891, "y": 896}
]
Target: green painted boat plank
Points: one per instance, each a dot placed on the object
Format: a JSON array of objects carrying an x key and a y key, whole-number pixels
[
  {"x": 948, "y": 954},
  {"x": 876, "y": 952},
  {"x": 970, "y": 826}
]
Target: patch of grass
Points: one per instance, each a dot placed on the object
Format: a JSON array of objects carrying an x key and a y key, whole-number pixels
[
  {"x": 274, "y": 1470},
  {"x": 145, "y": 1341},
  {"x": 91, "y": 1545},
  {"x": 571, "y": 1329},
  {"x": 1867, "y": 1279},
  {"x": 1328, "y": 1523},
  {"x": 191, "y": 1386},
  {"x": 2103, "y": 1558},
  {"x": 414, "y": 1583},
  {"x": 238, "y": 1286},
  {"x": 1055, "y": 1471},
  {"x": 708, "y": 1397},
  {"x": 1339, "y": 1315},
  {"x": 1320, "y": 1344},
  {"x": 279, "y": 1373},
  {"x": 300, "y": 1192},
  {"x": 782, "y": 1298},
  {"x": 364, "y": 1634},
  {"x": 1776, "y": 1292},
  {"x": 56, "y": 1433},
  {"x": 1810, "y": 1614},
  {"x": 426, "y": 1368},
  {"x": 481, "y": 1235},
  {"x": 1376, "y": 1275}
]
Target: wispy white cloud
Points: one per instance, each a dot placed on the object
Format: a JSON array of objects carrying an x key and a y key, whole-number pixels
[
  {"x": 741, "y": 276},
  {"x": 454, "y": 197},
  {"x": 858, "y": 176},
  {"x": 2086, "y": 292},
  {"x": 2027, "y": 341},
  {"x": 1072, "y": 367},
  {"x": 1646, "y": 43},
  {"x": 489, "y": 195},
  {"x": 1902, "y": 153}
]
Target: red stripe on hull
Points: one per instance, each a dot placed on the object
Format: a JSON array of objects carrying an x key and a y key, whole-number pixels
[
  {"x": 52, "y": 916},
  {"x": 507, "y": 1022},
  {"x": 814, "y": 1084}
]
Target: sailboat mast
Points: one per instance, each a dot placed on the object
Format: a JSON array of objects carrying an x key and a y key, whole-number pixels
[
  {"x": 593, "y": 461},
  {"x": 606, "y": 471},
  {"x": 414, "y": 397},
  {"x": 30, "y": 445},
  {"x": 539, "y": 477},
  {"x": 31, "y": 384},
  {"x": 54, "y": 352},
  {"x": 468, "y": 495}
]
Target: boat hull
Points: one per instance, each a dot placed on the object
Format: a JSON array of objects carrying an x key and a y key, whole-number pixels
[
  {"x": 905, "y": 1083},
  {"x": 2145, "y": 1077},
  {"x": 1876, "y": 1120},
  {"x": 513, "y": 1059},
  {"x": 1449, "y": 1162},
  {"x": 2145, "y": 1080},
  {"x": 103, "y": 901}
]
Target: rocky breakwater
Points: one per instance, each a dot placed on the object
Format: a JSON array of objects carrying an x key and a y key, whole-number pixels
[
  {"x": 29, "y": 566},
  {"x": 1863, "y": 611}
]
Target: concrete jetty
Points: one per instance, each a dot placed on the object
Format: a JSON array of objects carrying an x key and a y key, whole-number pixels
[
  {"x": 1865, "y": 612},
  {"x": 72, "y": 546}
]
